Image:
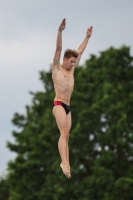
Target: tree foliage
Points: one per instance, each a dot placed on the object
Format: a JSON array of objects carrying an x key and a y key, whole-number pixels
[
  {"x": 101, "y": 139},
  {"x": 4, "y": 188}
]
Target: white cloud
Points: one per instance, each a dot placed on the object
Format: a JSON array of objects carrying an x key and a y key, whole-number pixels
[{"x": 34, "y": 49}]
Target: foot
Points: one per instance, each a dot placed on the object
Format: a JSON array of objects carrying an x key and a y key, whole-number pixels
[{"x": 66, "y": 169}]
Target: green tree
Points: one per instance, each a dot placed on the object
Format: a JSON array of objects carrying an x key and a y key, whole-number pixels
[
  {"x": 4, "y": 188},
  {"x": 101, "y": 139}
]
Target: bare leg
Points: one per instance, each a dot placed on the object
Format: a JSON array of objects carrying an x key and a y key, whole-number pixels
[
  {"x": 68, "y": 154},
  {"x": 63, "y": 149},
  {"x": 63, "y": 122}
]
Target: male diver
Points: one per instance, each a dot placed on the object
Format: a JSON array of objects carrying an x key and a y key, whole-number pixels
[{"x": 63, "y": 79}]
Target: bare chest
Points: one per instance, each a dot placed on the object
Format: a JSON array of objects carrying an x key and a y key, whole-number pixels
[{"x": 63, "y": 78}]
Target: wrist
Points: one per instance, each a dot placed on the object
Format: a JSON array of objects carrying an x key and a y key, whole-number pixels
[
  {"x": 59, "y": 30},
  {"x": 87, "y": 37}
]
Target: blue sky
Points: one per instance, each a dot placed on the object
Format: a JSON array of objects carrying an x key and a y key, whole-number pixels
[{"x": 28, "y": 31}]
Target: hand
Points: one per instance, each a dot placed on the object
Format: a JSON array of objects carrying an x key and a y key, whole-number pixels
[
  {"x": 62, "y": 25},
  {"x": 89, "y": 32}
]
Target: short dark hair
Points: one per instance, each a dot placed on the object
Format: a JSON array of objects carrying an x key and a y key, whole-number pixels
[{"x": 70, "y": 53}]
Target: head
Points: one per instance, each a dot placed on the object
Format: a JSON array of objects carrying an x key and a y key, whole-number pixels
[{"x": 69, "y": 58}]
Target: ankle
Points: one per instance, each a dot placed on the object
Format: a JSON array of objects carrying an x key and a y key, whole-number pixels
[{"x": 64, "y": 163}]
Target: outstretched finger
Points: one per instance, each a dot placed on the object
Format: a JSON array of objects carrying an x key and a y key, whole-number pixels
[
  {"x": 63, "y": 21},
  {"x": 91, "y": 27}
]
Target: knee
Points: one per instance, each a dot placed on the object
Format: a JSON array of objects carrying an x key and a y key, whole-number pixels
[{"x": 65, "y": 133}]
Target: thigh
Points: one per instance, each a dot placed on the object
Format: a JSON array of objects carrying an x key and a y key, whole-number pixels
[
  {"x": 61, "y": 117},
  {"x": 69, "y": 121}
]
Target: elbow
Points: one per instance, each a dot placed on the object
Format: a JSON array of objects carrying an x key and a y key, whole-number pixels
[
  {"x": 58, "y": 48},
  {"x": 80, "y": 53}
]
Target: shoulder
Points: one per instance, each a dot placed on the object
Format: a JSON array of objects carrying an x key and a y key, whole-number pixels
[{"x": 55, "y": 67}]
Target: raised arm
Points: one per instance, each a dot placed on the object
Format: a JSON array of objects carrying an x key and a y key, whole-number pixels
[
  {"x": 57, "y": 55},
  {"x": 84, "y": 44}
]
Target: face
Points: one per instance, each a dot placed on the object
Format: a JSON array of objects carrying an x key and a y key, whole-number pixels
[{"x": 69, "y": 63}]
